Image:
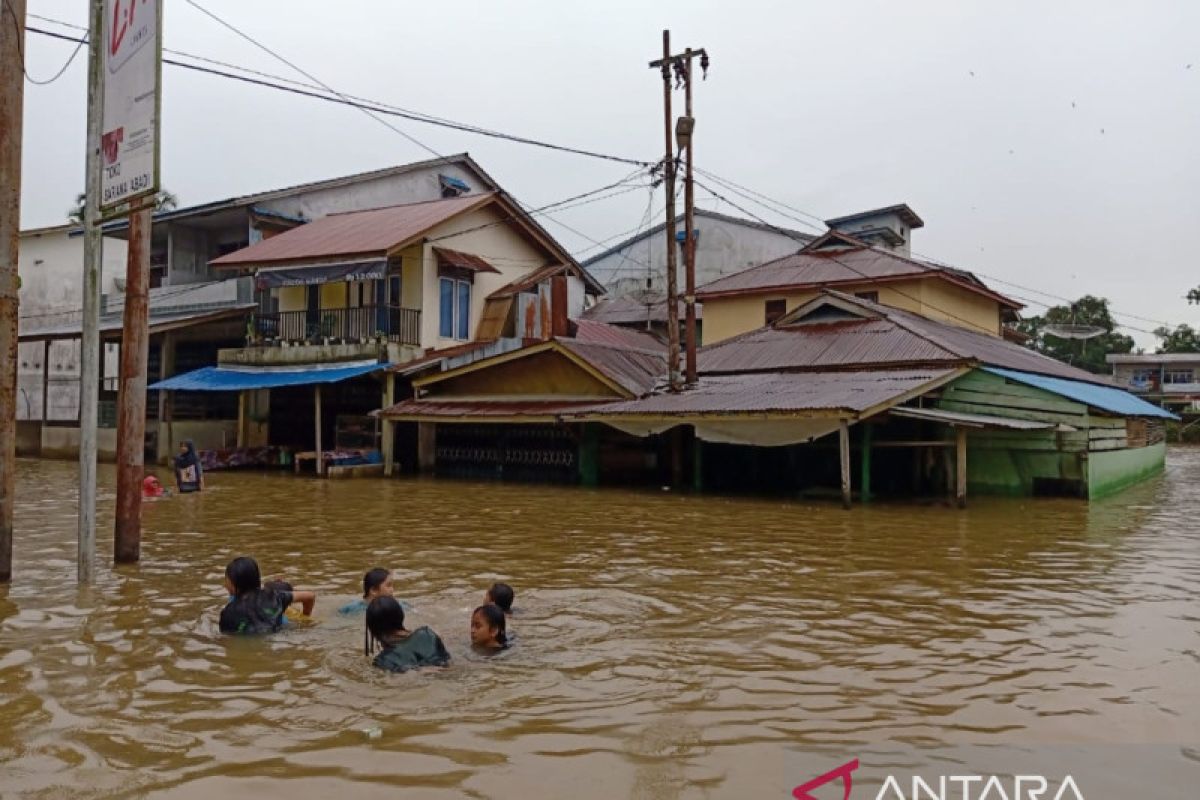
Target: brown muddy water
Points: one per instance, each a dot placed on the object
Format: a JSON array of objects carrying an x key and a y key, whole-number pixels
[{"x": 668, "y": 646}]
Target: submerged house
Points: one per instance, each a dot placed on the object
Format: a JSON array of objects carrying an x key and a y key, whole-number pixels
[
  {"x": 1172, "y": 380},
  {"x": 344, "y": 298},
  {"x": 918, "y": 406}
]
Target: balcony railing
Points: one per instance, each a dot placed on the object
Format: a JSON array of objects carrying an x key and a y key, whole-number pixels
[{"x": 352, "y": 325}]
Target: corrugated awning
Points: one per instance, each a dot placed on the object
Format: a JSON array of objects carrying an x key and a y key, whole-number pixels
[
  {"x": 961, "y": 419},
  {"x": 1105, "y": 398},
  {"x": 467, "y": 261},
  {"x": 368, "y": 270},
  {"x": 236, "y": 379}
]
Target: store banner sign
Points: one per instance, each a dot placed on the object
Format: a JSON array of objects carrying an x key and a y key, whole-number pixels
[{"x": 129, "y": 141}]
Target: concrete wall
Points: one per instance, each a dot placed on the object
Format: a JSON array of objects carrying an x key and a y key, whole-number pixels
[
  {"x": 1110, "y": 471},
  {"x": 50, "y": 264},
  {"x": 63, "y": 442},
  {"x": 725, "y": 317},
  {"x": 724, "y": 247}
]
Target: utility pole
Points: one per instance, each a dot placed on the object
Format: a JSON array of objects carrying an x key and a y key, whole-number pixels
[
  {"x": 669, "y": 184},
  {"x": 681, "y": 64},
  {"x": 89, "y": 345},
  {"x": 12, "y": 99},
  {"x": 131, "y": 398}
]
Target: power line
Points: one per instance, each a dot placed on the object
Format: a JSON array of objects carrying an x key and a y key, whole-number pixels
[
  {"x": 21, "y": 52},
  {"x": 302, "y": 89}
]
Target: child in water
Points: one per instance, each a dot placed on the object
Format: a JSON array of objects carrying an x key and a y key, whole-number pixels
[
  {"x": 402, "y": 650},
  {"x": 376, "y": 582},
  {"x": 488, "y": 628},
  {"x": 189, "y": 475},
  {"x": 502, "y": 595},
  {"x": 291, "y": 613},
  {"x": 151, "y": 487},
  {"x": 255, "y": 608}
]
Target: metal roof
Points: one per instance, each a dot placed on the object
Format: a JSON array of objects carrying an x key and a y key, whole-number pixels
[
  {"x": 630, "y": 311},
  {"x": 1105, "y": 398},
  {"x": 589, "y": 330},
  {"x": 454, "y": 258},
  {"x": 844, "y": 265},
  {"x": 532, "y": 279},
  {"x": 638, "y": 371},
  {"x": 880, "y": 336},
  {"x": 160, "y": 321},
  {"x": 236, "y": 379},
  {"x": 1149, "y": 359},
  {"x": 354, "y": 233},
  {"x": 782, "y": 393},
  {"x": 962, "y": 419},
  {"x": 470, "y": 410},
  {"x": 906, "y": 214}
]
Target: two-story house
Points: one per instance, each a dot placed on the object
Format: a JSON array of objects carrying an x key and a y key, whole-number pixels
[
  {"x": 867, "y": 255},
  {"x": 1171, "y": 380}
]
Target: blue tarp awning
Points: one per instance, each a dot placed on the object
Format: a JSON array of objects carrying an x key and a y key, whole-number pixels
[
  {"x": 236, "y": 379},
  {"x": 1105, "y": 398}
]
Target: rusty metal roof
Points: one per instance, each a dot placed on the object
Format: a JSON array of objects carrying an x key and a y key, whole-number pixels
[
  {"x": 528, "y": 281},
  {"x": 629, "y": 311},
  {"x": 885, "y": 337},
  {"x": 373, "y": 232},
  {"x": 448, "y": 410},
  {"x": 822, "y": 267},
  {"x": 782, "y": 393},
  {"x": 454, "y": 258},
  {"x": 588, "y": 330},
  {"x": 638, "y": 371}
]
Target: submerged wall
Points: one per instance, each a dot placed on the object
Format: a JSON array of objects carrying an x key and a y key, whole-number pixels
[{"x": 1111, "y": 471}]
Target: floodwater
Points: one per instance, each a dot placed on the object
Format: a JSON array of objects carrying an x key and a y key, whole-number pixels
[{"x": 668, "y": 646}]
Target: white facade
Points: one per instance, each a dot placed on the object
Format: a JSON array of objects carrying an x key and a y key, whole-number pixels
[
  {"x": 50, "y": 264},
  {"x": 725, "y": 245}
]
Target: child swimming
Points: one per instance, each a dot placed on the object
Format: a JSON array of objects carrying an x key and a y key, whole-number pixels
[
  {"x": 376, "y": 582},
  {"x": 402, "y": 649},
  {"x": 488, "y": 628},
  {"x": 502, "y": 595},
  {"x": 255, "y": 608}
]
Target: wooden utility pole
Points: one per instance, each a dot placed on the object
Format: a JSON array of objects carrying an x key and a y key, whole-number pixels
[
  {"x": 669, "y": 229},
  {"x": 12, "y": 98},
  {"x": 681, "y": 64},
  {"x": 89, "y": 345},
  {"x": 131, "y": 398}
]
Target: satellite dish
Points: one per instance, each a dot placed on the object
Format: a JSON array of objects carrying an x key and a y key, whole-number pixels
[{"x": 1071, "y": 330}]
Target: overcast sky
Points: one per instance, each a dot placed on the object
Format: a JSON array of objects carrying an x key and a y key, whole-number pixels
[{"x": 1055, "y": 145}]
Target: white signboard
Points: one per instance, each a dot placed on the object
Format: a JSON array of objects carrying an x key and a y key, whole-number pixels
[{"x": 132, "y": 69}]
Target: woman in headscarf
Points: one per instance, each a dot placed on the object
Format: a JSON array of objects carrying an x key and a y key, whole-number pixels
[{"x": 189, "y": 475}]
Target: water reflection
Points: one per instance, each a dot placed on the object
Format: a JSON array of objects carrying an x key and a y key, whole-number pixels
[{"x": 667, "y": 646}]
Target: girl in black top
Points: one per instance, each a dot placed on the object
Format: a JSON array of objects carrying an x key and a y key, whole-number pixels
[{"x": 255, "y": 608}]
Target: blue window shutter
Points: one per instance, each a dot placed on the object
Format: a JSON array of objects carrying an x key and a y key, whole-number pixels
[
  {"x": 464, "y": 310},
  {"x": 446, "y": 321}
]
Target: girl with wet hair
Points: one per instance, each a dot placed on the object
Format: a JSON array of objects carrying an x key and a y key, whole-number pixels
[
  {"x": 502, "y": 595},
  {"x": 488, "y": 628},
  {"x": 400, "y": 649},
  {"x": 376, "y": 582},
  {"x": 255, "y": 608}
]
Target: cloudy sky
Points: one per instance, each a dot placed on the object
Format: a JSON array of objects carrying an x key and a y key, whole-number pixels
[{"x": 1051, "y": 145}]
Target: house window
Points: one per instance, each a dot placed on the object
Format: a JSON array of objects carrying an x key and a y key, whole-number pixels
[
  {"x": 775, "y": 309},
  {"x": 1178, "y": 376},
  {"x": 455, "y": 308},
  {"x": 872, "y": 297}
]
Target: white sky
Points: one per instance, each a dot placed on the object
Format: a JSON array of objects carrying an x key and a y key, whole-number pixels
[{"x": 1054, "y": 145}]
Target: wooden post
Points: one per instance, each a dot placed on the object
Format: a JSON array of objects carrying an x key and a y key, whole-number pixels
[
  {"x": 241, "y": 425},
  {"x": 589, "y": 455},
  {"x": 131, "y": 397},
  {"x": 317, "y": 416},
  {"x": 697, "y": 463},
  {"x": 426, "y": 447},
  {"x": 960, "y": 466},
  {"x": 865, "y": 477},
  {"x": 389, "y": 427},
  {"x": 844, "y": 448},
  {"x": 166, "y": 368}
]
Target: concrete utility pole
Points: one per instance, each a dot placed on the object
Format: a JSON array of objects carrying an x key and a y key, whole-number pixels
[
  {"x": 12, "y": 98},
  {"x": 682, "y": 66},
  {"x": 89, "y": 345},
  {"x": 669, "y": 184},
  {"x": 131, "y": 401}
]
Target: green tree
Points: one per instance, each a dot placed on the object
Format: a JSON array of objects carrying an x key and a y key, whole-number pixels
[
  {"x": 1084, "y": 353},
  {"x": 1184, "y": 339},
  {"x": 163, "y": 201}
]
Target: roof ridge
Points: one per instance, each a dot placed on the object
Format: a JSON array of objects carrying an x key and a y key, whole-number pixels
[
  {"x": 889, "y": 313},
  {"x": 478, "y": 196},
  {"x": 610, "y": 345}
]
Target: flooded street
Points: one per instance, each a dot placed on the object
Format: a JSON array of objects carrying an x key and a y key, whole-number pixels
[{"x": 667, "y": 646}]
